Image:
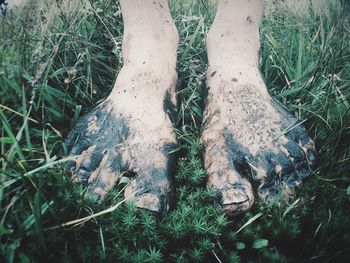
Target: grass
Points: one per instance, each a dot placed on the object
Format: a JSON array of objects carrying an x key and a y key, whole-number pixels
[{"x": 55, "y": 66}]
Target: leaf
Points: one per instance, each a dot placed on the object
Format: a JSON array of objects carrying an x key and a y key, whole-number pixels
[
  {"x": 260, "y": 243},
  {"x": 240, "y": 245},
  {"x": 124, "y": 180},
  {"x": 251, "y": 220},
  {"x": 27, "y": 224},
  {"x": 289, "y": 208},
  {"x": 4, "y": 230},
  {"x": 192, "y": 40}
]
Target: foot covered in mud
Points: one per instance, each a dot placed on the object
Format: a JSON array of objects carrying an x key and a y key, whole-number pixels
[
  {"x": 129, "y": 134},
  {"x": 249, "y": 139}
]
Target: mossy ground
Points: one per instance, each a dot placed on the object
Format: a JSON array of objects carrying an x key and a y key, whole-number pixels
[{"x": 54, "y": 68}]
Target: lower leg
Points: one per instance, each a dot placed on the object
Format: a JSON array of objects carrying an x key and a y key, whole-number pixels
[
  {"x": 130, "y": 132},
  {"x": 234, "y": 37},
  {"x": 149, "y": 35},
  {"x": 244, "y": 129},
  {"x": 149, "y": 49}
]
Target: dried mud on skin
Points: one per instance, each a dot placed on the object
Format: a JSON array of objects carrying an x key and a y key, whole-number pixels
[
  {"x": 104, "y": 142},
  {"x": 246, "y": 144}
]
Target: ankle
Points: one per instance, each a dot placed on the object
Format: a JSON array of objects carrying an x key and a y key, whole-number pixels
[
  {"x": 150, "y": 36},
  {"x": 152, "y": 48},
  {"x": 226, "y": 47},
  {"x": 144, "y": 83},
  {"x": 234, "y": 34},
  {"x": 235, "y": 76}
]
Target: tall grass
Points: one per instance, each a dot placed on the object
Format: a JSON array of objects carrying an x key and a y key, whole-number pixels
[{"x": 57, "y": 65}]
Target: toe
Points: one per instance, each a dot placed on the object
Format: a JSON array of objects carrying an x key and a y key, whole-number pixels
[
  {"x": 92, "y": 160},
  {"x": 82, "y": 158},
  {"x": 150, "y": 201},
  {"x": 80, "y": 146},
  {"x": 152, "y": 186},
  {"x": 236, "y": 198},
  {"x": 301, "y": 139},
  {"x": 232, "y": 191},
  {"x": 106, "y": 174},
  {"x": 151, "y": 190},
  {"x": 98, "y": 171},
  {"x": 281, "y": 171},
  {"x": 100, "y": 182},
  {"x": 294, "y": 179},
  {"x": 309, "y": 149},
  {"x": 284, "y": 186},
  {"x": 268, "y": 190},
  {"x": 300, "y": 136},
  {"x": 96, "y": 141}
]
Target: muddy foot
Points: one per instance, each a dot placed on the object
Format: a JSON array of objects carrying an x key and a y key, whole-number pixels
[
  {"x": 247, "y": 135},
  {"x": 129, "y": 133}
]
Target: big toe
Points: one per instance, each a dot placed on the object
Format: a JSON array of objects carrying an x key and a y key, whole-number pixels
[
  {"x": 233, "y": 192},
  {"x": 151, "y": 190},
  {"x": 236, "y": 199}
]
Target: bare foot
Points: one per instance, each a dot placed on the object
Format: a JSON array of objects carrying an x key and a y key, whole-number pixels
[
  {"x": 130, "y": 132},
  {"x": 248, "y": 135}
]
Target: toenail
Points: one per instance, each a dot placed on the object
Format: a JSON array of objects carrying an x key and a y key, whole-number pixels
[
  {"x": 234, "y": 196},
  {"x": 149, "y": 201}
]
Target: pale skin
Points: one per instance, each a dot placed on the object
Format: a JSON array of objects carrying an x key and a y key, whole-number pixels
[{"x": 243, "y": 133}]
